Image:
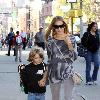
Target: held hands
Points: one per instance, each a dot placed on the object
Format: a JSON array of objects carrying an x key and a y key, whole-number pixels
[{"x": 42, "y": 82}]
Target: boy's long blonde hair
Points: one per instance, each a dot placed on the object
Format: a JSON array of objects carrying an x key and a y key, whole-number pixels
[
  {"x": 51, "y": 30},
  {"x": 35, "y": 50}
]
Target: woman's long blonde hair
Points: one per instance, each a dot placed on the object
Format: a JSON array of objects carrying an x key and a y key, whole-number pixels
[{"x": 51, "y": 30}]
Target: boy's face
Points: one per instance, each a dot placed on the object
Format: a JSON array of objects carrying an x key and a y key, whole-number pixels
[{"x": 37, "y": 59}]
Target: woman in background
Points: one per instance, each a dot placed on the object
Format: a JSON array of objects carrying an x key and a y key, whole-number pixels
[{"x": 90, "y": 40}]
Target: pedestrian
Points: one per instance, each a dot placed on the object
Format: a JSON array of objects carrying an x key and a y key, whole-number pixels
[
  {"x": 24, "y": 39},
  {"x": 30, "y": 42},
  {"x": 60, "y": 58},
  {"x": 10, "y": 39},
  {"x": 90, "y": 41},
  {"x": 18, "y": 47},
  {"x": 35, "y": 75},
  {"x": 39, "y": 38},
  {"x": 0, "y": 44}
]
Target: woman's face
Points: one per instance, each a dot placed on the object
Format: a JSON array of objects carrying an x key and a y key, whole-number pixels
[
  {"x": 94, "y": 27},
  {"x": 37, "y": 59},
  {"x": 59, "y": 27}
]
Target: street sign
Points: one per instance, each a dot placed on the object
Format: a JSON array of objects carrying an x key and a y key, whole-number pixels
[
  {"x": 72, "y": 1},
  {"x": 71, "y": 13},
  {"x": 78, "y": 13},
  {"x": 74, "y": 13}
]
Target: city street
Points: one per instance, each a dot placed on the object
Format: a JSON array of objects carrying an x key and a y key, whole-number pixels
[
  {"x": 44, "y": 23},
  {"x": 9, "y": 79}
]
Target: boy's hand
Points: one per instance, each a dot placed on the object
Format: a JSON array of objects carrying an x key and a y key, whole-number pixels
[{"x": 42, "y": 82}]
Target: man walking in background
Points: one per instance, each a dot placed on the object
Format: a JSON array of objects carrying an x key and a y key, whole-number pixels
[
  {"x": 10, "y": 39},
  {"x": 39, "y": 38},
  {"x": 24, "y": 39}
]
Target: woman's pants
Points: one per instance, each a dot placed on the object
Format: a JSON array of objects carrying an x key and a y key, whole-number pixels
[
  {"x": 92, "y": 57},
  {"x": 67, "y": 87},
  {"x": 36, "y": 96}
]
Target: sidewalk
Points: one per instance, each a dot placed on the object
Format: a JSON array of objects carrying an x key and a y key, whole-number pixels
[{"x": 9, "y": 79}]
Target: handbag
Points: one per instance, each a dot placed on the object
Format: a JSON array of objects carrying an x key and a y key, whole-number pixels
[{"x": 76, "y": 77}]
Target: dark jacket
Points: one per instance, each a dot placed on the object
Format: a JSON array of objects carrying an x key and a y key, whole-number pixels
[
  {"x": 10, "y": 38},
  {"x": 39, "y": 37},
  {"x": 90, "y": 41},
  {"x": 31, "y": 77}
]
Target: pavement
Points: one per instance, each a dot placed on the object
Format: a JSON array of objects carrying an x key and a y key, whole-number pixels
[{"x": 9, "y": 80}]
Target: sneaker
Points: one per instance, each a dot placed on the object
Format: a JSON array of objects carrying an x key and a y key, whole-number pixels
[
  {"x": 20, "y": 60},
  {"x": 16, "y": 60},
  {"x": 89, "y": 83},
  {"x": 7, "y": 54},
  {"x": 95, "y": 82}
]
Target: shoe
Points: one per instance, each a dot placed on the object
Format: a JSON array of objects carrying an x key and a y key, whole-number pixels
[
  {"x": 7, "y": 54},
  {"x": 95, "y": 82},
  {"x": 89, "y": 83},
  {"x": 16, "y": 60},
  {"x": 20, "y": 60}
]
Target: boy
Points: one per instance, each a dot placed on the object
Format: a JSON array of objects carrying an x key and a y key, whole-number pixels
[
  {"x": 18, "y": 47},
  {"x": 35, "y": 75}
]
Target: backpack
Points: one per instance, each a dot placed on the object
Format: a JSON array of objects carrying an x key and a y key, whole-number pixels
[
  {"x": 84, "y": 39},
  {"x": 21, "y": 71},
  {"x": 19, "y": 40}
]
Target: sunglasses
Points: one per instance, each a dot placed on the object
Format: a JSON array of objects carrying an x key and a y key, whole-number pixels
[{"x": 58, "y": 26}]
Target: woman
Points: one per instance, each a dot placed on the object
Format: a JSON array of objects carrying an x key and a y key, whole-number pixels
[
  {"x": 60, "y": 58},
  {"x": 90, "y": 40}
]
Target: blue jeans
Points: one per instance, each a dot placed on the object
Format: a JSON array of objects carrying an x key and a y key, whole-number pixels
[
  {"x": 36, "y": 96},
  {"x": 92, "y": 57}
]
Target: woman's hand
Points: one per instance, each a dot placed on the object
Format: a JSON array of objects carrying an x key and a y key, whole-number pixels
[
  {"x": 60, "y": 36},
  {"x": 42, "y": 82},
  {"x": 68, "y": 42},
  {"x": 67, "y": 39}
]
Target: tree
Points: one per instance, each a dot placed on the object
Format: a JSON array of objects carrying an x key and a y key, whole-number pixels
[{"x": 88, "y": 9}]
